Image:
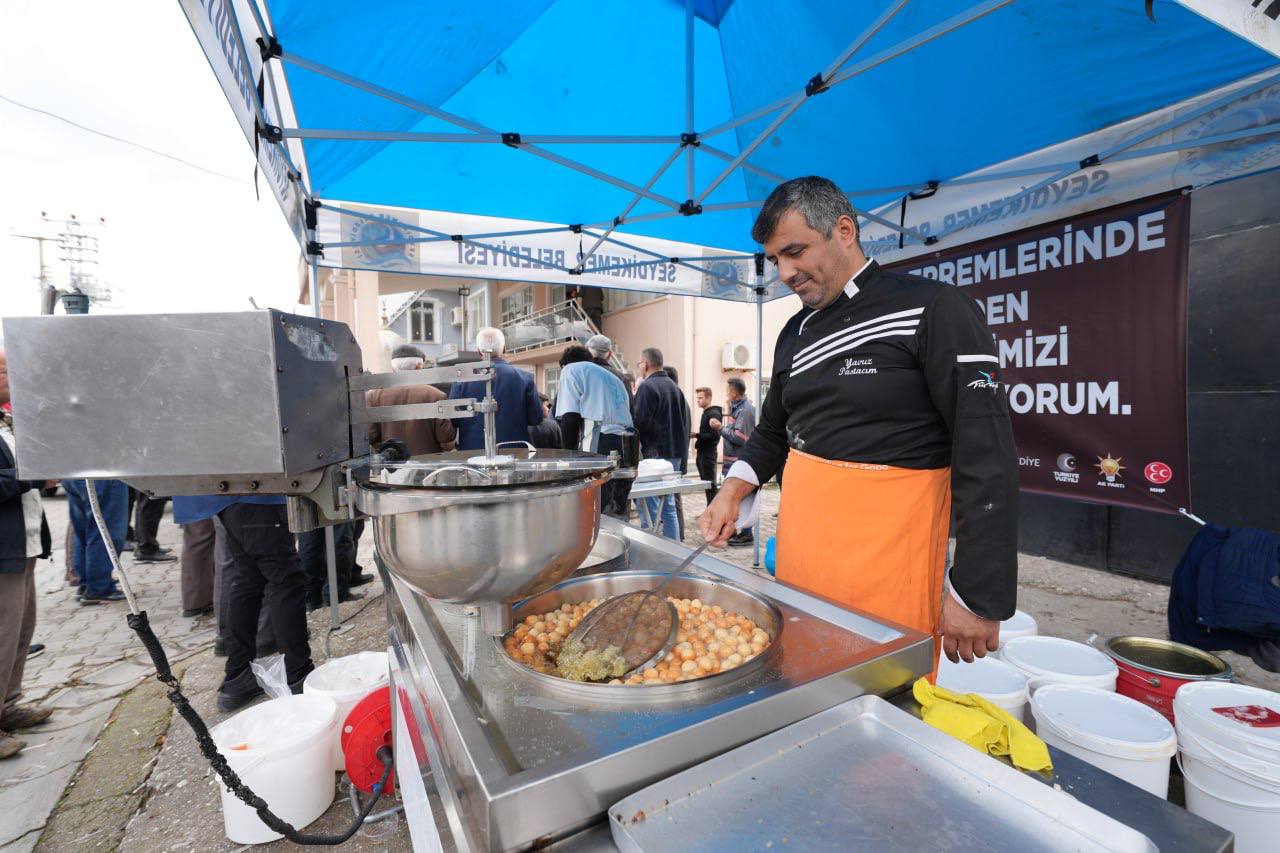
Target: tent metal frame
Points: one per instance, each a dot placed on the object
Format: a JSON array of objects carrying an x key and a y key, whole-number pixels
[{"x": 686, "y": 142}]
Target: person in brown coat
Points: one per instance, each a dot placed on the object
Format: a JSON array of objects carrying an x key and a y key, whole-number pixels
[{"x": 427, "y": 435}]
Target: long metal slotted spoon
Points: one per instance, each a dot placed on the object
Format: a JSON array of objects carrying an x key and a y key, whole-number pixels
[{"x": 641, "y": 625}]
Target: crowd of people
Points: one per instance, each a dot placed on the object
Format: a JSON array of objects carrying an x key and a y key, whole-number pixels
[{"x": 241, "y": 564}]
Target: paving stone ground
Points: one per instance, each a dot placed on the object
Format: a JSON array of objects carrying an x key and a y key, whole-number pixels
[{"x": 93, "y": 659}]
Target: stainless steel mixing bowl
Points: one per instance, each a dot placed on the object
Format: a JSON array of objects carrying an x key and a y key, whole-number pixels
[
  {"x": 472, "y": 543},
  {"x": 755, "y": 607}
]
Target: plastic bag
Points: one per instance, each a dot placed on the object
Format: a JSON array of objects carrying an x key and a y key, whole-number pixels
[{"x": 272, "y": 676}]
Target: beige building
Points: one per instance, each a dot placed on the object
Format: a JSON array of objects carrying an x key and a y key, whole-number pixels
[{"x": 706, "y": 340}]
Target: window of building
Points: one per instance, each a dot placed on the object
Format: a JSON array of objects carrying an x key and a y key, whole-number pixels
[
  {"x": 517, "y": 304},
  {"x": 616, "y": 300},
  {"x": 551, "y": 372},
  {"x": 477, "y": 314},
  {"x": 423, "y": 316}
]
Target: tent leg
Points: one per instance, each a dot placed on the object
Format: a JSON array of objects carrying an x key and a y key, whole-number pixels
[
  {"x": 330, "y": 559},
  {"x": 759, "y": 408}
]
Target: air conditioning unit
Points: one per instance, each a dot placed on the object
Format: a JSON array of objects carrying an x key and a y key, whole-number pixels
[
  {"x": 455, "y": 315},
  {"x": 738, "y": 356}
]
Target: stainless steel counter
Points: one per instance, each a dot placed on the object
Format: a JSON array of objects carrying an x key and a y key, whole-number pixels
[{"x": 524, "y": 764}]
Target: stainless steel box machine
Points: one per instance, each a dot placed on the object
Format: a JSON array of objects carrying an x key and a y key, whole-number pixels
[{"x": 471, "y": 545}]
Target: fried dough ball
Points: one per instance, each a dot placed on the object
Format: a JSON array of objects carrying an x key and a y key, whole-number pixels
[{"x": 710, "y": 639}]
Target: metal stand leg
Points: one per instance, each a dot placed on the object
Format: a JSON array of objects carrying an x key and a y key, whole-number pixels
[
  {"x": 354, "y": 797},
  {"x": 331, "y": 566}
]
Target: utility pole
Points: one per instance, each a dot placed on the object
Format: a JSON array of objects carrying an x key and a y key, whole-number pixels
[
  {"x": 79, "y": 251},
  {"x": 48, "y": 293}
]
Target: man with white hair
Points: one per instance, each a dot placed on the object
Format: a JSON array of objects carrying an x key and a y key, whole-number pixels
[{"x": 518, "y": 405}]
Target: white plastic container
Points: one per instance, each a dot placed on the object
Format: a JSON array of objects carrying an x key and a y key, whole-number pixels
[
  {"x": 1021, "y": 624},
  {"x": 993, "y": 680},
  {"x": 1112, "y": 732},
  {"x": 281, "y": 750},
  {"x": 346, "y": 681},
  {"x": 1231, "y": 768},
  {"x": 1052, "y": 660}
]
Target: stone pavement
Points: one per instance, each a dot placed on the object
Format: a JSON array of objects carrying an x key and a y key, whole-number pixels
[{"x": 91, "y": 659}]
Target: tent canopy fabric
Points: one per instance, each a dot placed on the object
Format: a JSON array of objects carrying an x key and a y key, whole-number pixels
[{"x": 572, "y": 111}]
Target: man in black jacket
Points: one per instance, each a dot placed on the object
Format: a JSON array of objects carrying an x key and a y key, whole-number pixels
[
  {"x": 706, "y": 439},
  {"x": 661, "y": 417},
  {"x": 887, "y": 404},
  {"x": 547, "y": 433}
]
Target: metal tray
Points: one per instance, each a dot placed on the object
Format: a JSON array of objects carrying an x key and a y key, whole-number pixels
[{"x": 863, "y": 775}]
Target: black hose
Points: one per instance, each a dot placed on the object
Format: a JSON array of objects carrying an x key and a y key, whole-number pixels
[{"x": 142, "y": 627}]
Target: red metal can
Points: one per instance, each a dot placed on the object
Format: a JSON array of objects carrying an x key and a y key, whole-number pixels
[{"x": 1152, "y": 670}]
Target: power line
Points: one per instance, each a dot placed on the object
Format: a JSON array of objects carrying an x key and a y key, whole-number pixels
[{"x": 138, "y": 145}]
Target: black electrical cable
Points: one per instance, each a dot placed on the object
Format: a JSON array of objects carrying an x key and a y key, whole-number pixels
[{"x": 142, "y": 627}]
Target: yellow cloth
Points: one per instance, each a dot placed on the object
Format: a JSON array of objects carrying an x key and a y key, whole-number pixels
[{"x": 984, "y": 726}]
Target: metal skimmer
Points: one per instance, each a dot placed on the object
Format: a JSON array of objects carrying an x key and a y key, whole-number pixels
[{"x": 641, "y": 625}]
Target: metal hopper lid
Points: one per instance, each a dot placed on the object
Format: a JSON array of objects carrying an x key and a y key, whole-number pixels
[{"x": 468, "y": 469}]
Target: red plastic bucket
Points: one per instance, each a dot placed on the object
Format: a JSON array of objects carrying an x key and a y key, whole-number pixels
[{"x": 1152, "y": 670}]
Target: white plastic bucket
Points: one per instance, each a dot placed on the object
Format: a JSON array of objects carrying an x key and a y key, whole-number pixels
[
  {"x": 1021, "y": 624},
  {"x": 1113, "y": 732},
  {"x": 1231, "y": 768},
  {"x": 1052, "y": 660},
  {"x": 993, "y": 680},
  {"x": 346, "y": 681},
  {"x": 280, "y": 749}
]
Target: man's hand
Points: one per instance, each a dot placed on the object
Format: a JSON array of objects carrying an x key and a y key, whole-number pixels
[
  {"x": 720, "y": 521},
  {"x": 714, "y": 423},
  {"x": 965, "y": 635}
]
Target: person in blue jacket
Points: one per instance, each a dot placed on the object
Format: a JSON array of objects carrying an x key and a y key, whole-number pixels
[{"x": 518, "y": 404}]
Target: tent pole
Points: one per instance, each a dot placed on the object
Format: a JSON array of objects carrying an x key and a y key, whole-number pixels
[
  {"x": 966, "y": 17},
  {"x": 688, "y": 96},
  {"x": 330, "y": 558},
  {"x": 667, "y": 259},
  {"x": 427, "y": 109},
  {"x": 468, "y": 138},
  {"x": 1137, "y": 139},
  {"x": 617, "y": 220},
  {"x": 759, "y": 400},
  {"x": 803, "y": 96}
]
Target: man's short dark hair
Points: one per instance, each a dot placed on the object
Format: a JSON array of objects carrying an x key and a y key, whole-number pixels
[
  {"x": 653, "y": 355},
  {"x": 818, "y": 200},
  {"x": 671, "y": 372},
  {"x": 574, "y": 353},
  {"x": 544, "y": 398},
  {"x": 703, "y": 390},
  {"x": 738, "y": 385}
]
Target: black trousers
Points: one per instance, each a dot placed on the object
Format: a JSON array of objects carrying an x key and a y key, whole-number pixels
[
  {"x": 706, "y": 462},
  {"x": 614, "y": 494},
  {"x": 146, "y": 522},
  {"x": 311, "y": 553},
  {"x": 265, "y": 569}
]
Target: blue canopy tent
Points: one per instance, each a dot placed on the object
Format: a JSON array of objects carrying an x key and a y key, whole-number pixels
[
  {"x": 656, "y": 128},
  {"x": 628, "y": 145}
]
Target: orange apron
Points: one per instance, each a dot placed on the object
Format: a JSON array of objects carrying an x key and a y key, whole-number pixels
[{"x": 871, "y": 537}]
